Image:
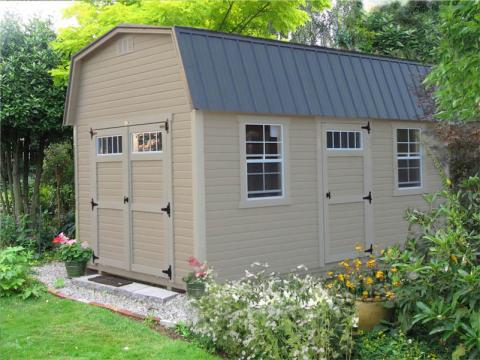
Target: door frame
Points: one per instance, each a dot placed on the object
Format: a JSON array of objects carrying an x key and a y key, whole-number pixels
[
  {"x": 322, "y": 175},
  {"x": 124, "y": 130}
]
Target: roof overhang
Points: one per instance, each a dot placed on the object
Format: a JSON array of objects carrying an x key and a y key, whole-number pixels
[{"x": 75, "y": 62}]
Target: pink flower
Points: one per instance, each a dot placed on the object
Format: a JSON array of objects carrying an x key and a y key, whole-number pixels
[
  {"x": 84, "y": 245},
  {"x": 71, "y": 242},
  {"x": 194, "y": 262},
  {"x": 200, "y": 274}
]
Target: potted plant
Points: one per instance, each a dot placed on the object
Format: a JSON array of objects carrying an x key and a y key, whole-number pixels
[
  {"x": 74, "y": 254},
  {"x": 371, "y": 286},
  {"x": 197, "y": 279}
]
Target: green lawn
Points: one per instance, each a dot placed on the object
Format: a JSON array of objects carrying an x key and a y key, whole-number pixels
[{"x": 52, "y": 328}]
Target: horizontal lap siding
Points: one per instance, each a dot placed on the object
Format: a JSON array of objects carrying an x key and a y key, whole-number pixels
[
  {"x": 389, "y": 211},
  {"x": 284, "y": 236},
  {"x": 142, "y": 84}
]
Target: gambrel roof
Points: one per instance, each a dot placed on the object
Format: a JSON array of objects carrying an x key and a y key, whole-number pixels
[{"x": 233, "y": 73}]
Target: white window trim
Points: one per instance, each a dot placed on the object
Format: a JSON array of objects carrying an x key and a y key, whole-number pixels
[
  {"x": 245, "y": 201},
  {"x": 112, "y": 154},
  {"x": 398, "y": 191},
  {"x": 145, "y": 152},
  {"x": 344, "y": 149}
]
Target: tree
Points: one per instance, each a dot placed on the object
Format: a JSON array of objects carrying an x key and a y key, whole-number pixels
[
  {"x": 30, "y": 111},
  {"x": 456, "y": 77},
  {"x": 256, "y": 18}
]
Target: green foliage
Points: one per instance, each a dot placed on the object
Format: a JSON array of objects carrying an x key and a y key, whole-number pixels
[
  {"x": 396, "y": 346},
  {"x": 270, "y": 317},
  {"x": 75, "y": 252},
  {"x": 59, "y": 283},
  {"x": 441, "y": 268},
  {"x": 204, "y": 342},
  {"x": 456, "y": 76},
  {"x": 14, "y": 233},
  {"x": 257, "y": 18},
  {"x": 15, "y": 274}
]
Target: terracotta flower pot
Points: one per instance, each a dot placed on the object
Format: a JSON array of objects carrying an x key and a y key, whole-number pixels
[
  {"x": 195, "y": 290},
  {"x": 75, "y": 268},
  {"x": 371, "y": 314}
]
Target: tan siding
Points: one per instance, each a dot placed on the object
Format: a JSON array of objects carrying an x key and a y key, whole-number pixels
[
  {"x": 284, "y": 235},
  {"x": 389, "y": 210},
  {"x": 140, "y": 85}
]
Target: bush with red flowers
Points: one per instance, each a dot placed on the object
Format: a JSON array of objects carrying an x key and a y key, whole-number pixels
[
  {"x": 201, "y": 272},
  {"x": 71, "y": 249}
]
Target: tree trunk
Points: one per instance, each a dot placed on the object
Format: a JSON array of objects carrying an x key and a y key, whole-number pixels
[
  {"x": 16, "y": 181},
  {"x": 59, "y": 203},
  {"x": 26, "y": 173},
  {"x": 36, "y": 187},
  {"x": 5, "y": 198},
  {"x": 8, "y": 165}
]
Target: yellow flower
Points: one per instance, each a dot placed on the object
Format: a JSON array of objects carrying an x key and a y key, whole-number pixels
[
  {"x": 359, "y": 248},
  {"x": 357, "y": 263},
  {"x": 330, "y": 273},
  {"x": 396, "y": 283},
  {"x": 365, "y": 293},
  {"x": 371, "y": 263},
  {"x": 379, "y": 275},
  {"x": 454, "y": 259},
  {"x": 369, "y": 280},
  {"x": 349, "y": 284},
  {"x": 393, "y": 269},
  {"x": 340, "y": 277},
  {"x": 329, "y": 285},
  {"x": 390, "y": 295}
]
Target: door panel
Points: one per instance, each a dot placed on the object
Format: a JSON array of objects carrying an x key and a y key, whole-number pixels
[
  {"x": 346, "y": 181},
  {"x": 150, "y": 225}
]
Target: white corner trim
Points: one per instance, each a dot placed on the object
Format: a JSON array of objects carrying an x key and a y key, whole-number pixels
[
  {"x": 198, "y": 183},
  {"x": 75, "y": 179}
]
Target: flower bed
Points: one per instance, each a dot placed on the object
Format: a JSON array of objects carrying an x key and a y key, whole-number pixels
[{"x": 272, "y": 317}]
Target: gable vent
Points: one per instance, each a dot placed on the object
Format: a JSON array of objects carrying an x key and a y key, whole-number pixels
[{"x": 125, "y": 45}]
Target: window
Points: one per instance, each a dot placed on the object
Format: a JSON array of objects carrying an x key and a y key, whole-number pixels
[
  {"x": 109, "y": 145},
  {"x": 147, "y": 142},
  {"x": 264, "y": 155},
  {"x": 409, "y": 158},
  {"x": 344, "y": 140}
]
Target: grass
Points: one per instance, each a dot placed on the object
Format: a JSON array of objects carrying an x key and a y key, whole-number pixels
[{"x": 53, "y": 328}]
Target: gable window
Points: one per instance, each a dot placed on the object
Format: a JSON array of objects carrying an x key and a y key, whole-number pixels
[
  {"x": 109, "y": 145},
  {"x": 147, "y": 142},
  {"x": 344, "y": 140},
  {"x": 264, "y": 157},
  {"x": 409, "y": 158}
]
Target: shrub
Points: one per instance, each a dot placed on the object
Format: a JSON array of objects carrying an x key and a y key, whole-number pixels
[
  {"x": 385, "y": 346},
  {"x": 15, "y": 275},
  {"x": 13, "y": 234},
  {"x": 271, "y": 317},
  {"x": 71, "y": 249},
  {"x": 439, "y": 270}
]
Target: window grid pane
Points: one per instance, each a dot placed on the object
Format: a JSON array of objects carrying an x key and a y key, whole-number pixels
[
  {"x": 147, "y": 142},
  {"x": 409, "y": 158},
  {"x": 346, "y": 140},
  {"x": 109, "y": 145},
  {"x": 264, "y": 156}
]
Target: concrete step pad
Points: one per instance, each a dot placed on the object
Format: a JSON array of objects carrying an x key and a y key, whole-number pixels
[{"x": 134, "y": 290}]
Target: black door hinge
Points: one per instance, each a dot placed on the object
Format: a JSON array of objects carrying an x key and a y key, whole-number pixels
[
  {"x": 125, "y": 199},
  {"x": 94, "y": 257},
  {"x": 92, "y": 133},
  {"x": 328, "y": 195},
  {"x": 167, "y": 209},
  {"x": 167, "y": 127},
  {"x": 368, "y": 197},
  {"x": 370, "y": 249},
  {"x": 168, "y": 272},
  {"x": 367, "y": 127},
  {"x": 93, "y": 203}
]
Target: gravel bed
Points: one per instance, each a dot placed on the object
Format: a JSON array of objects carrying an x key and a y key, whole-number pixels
[{"x": 175, "y": 310}]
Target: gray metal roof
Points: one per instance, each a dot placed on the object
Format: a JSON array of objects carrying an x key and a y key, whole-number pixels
[{"x": 243, "y": 74}]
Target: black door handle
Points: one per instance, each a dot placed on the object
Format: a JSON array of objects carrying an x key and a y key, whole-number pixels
[
  {"x": 328, "y": 195},
  {"x": 125, "y": 199}
]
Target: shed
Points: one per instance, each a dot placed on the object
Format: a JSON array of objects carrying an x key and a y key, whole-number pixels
[{"x": 239, "y": 150}]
